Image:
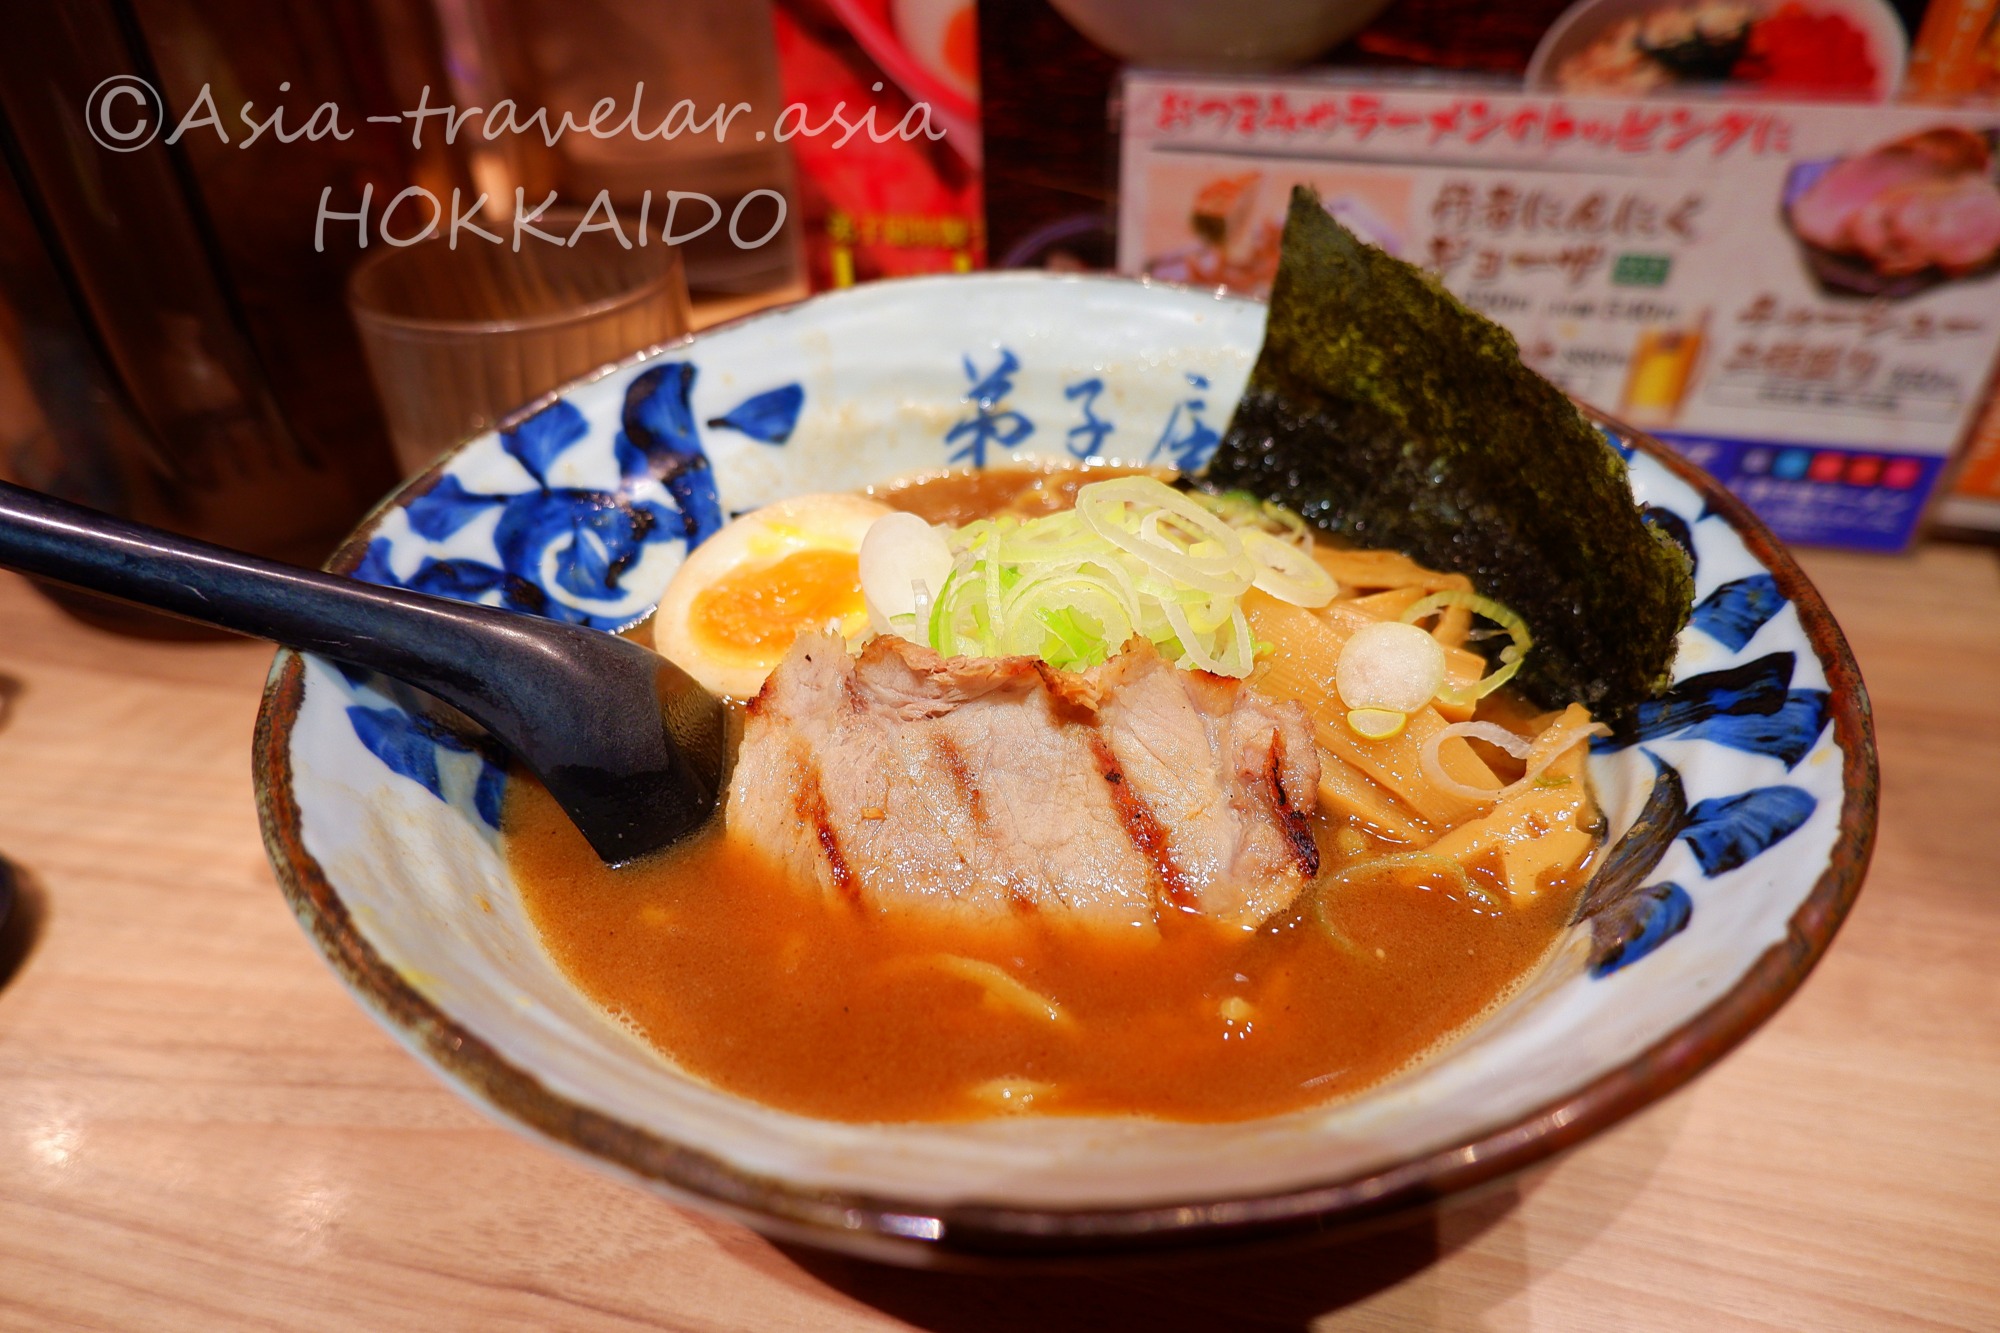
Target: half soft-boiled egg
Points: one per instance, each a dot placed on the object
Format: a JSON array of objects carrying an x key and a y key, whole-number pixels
[{"x": 735, "y": 605}]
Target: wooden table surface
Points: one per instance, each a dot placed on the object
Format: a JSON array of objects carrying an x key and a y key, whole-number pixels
[{"x": 198, "y": 1129}]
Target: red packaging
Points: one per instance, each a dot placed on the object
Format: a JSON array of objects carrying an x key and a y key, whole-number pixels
[{"x": 881, "y": 104}]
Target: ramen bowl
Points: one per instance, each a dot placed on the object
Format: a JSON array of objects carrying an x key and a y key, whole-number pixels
[{"x": 1756, "y": 775}]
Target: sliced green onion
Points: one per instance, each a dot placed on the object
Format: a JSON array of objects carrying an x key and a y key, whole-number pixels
[
  {"x": 1149, "y": 519},
  {"x": 1376, "y": 724},
  {"x": 1135, "y": 557},
  {"x": 1553, "y": 744},
  {"x": 1062, "y": 536},
  {"x": 1246, "y": 513},
  {"x": 1288, "y": 573},
  {"x": 1511, "y": 656}
]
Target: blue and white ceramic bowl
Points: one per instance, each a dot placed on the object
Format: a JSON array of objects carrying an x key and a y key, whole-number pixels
[{"x": 1744, "y": 798}]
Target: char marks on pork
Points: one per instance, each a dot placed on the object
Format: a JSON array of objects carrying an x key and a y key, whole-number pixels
[{"x": 999, "y": 786}]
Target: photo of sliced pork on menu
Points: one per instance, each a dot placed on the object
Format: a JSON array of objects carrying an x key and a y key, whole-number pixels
[{"x": 1901, "y": 217}]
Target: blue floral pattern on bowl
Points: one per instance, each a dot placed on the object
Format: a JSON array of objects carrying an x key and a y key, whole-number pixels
[{"x": 565, "y": 551}]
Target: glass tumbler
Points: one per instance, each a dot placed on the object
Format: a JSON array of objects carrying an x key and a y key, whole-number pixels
[{"x": 458, "y": 338}]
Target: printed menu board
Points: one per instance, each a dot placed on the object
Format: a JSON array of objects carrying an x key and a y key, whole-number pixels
[{"x": 1805, "y": 299}]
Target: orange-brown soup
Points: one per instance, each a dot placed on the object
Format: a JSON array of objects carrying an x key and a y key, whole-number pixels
[{"x": 809, "y": 1003}]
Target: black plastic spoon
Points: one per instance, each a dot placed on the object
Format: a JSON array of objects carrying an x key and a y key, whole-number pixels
[{"x": 629, "y": 745}]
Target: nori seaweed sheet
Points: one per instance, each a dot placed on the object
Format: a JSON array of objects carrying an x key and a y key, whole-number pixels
[{"x": 1386, "y": 412}]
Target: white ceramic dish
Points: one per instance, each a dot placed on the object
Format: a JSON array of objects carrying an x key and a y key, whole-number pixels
[{"x": 1757, "y": 775}]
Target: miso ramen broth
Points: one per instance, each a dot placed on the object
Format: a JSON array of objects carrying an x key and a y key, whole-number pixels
[{"x": 820, "y": 1005}]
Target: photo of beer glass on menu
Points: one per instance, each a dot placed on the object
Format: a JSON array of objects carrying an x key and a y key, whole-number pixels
[{"x": 1662, "y": 370}]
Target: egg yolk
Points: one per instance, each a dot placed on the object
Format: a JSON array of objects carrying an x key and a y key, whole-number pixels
[{"x": 754, "y": 613}]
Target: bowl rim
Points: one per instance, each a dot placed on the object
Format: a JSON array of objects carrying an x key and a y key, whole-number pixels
[{"x": 971, "y": 1234}]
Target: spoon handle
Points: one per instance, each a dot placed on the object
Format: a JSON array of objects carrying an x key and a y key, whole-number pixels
[
  {"x": 355, "y": 622},
  {"x": 628, "y": 743}
]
